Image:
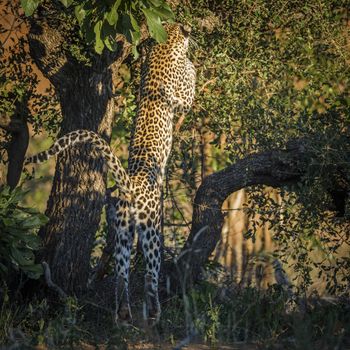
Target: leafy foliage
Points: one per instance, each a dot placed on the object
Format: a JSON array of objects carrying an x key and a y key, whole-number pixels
[
  {"x": 273, "y": 76},
  {"x": 19, "y": 81},
  {"x": 18, "y": 241},
  {"x": 275, "y": 71},
  {"x": 101, "y": 21}
]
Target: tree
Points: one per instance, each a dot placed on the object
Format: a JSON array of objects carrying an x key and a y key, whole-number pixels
[
  {"x": 86, "y": 97},
  {"x": 83, "y": 81},
  {"x": 17, "y": 87},
  {"x": 271, "y": 76}
]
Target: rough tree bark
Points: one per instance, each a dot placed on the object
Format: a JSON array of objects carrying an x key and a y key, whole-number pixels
[{"x": 86, "y": 97}]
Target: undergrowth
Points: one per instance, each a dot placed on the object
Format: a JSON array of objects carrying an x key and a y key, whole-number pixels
[{"x": 268, "y": 319}]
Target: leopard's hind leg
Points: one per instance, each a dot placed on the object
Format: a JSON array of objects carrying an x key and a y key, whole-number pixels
[
  {"x": 124, "y": 230},
  {"x": 148, "y": 227}
]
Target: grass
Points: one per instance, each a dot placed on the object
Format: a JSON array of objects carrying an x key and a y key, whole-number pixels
[{"x": 216, "y": 318}]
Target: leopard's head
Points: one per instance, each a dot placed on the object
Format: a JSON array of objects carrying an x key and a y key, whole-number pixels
[{"x": 178, "y": 35}]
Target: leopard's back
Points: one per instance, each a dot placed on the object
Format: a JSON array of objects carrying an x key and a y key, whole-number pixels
[{"x": 167, "y": 86}]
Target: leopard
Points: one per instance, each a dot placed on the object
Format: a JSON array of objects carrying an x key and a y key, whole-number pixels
[{"x": 167, "y": 88}]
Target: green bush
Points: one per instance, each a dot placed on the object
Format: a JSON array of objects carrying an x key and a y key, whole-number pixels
[{"x": 18, "y": 239}]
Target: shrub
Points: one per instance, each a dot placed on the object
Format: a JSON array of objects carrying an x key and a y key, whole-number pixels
[{"x": 18, "y": 239}]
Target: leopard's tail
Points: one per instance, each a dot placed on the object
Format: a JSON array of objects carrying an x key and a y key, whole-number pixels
[{"x": 83, "y": 136}]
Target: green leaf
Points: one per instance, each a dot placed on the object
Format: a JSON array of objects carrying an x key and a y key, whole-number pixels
[
  {"x": 17, "y": 195},
  {"x": 164, "y": 12},
  {"x": 134, "y": 23},
  {"x": 31, "y": 222},
  {"x": 154, "y": 24},
  {"x": 135, "y": 52},
  {"x": 110, "y": 43},
  {"x": 80, "y": 13},
  {"x": 28, "y": 210},
  {"x": 32, "y": 242},
  {"x": 135, "y": 38},
  {"x": 22, "y": 258},
  {"x": 156, "y": 3},
  {"x": 5, "y": 191},
  {"x": 9, "y": 221},
  {"x": 33, "y": 271},
  {"x": 108, "y": 36},
  {"x": 29, "y": 6},
  {"x": 99, "y": 45},
  {"x": 43, "y": 218},
  {"x": 112, "y": 15},
  {"x": 66, "y": 3},
  {"x": 17, "y": 243}
]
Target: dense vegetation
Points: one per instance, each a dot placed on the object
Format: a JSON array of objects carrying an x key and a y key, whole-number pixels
[{"x": 272, "y": 77}]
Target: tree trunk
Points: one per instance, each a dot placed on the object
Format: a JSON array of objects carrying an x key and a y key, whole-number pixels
[{"x": 77, "y": 195}]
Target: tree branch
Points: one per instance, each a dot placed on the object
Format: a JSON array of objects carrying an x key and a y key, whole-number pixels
[{"x": 273, "y": 168}]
